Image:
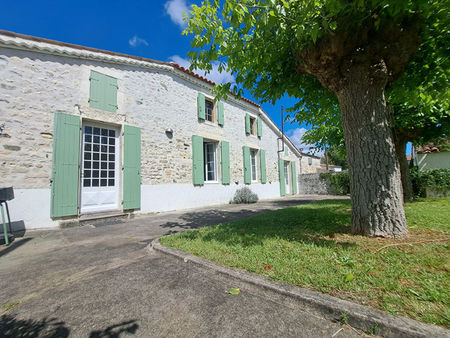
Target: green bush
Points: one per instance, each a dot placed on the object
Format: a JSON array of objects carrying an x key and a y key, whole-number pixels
[
  {"x": 433, "y": 178},
  {"x": 339, "y": 182},
  {"x": 244, "y": 195}
]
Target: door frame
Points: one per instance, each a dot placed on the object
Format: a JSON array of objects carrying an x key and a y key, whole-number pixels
[{"x": 118, "y": 168}]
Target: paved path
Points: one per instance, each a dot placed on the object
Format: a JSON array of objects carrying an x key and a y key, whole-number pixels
[{"x": 100, "y": 281}]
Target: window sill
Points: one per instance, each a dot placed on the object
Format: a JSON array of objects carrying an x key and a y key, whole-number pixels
[{"x": 211, "y": 182}]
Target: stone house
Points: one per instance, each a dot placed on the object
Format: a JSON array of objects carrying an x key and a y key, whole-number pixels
[{"x": 86, "y": 132}]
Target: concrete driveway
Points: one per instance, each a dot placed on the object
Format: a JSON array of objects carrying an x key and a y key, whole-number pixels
[{"x": 100, "y": 281}]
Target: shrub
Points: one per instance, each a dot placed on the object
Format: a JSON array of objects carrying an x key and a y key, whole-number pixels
[
  {"x": 339, "y": 182},
  {"x": 245, "y": 195},
  {"x": 432, "y": 178}
]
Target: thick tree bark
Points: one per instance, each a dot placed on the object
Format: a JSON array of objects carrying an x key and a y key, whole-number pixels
[
  {"x": 375, "y": 184},
  {"x": 400, "y": 149}
]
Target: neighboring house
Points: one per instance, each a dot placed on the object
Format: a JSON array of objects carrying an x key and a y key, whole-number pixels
[
  {"x": 433, "y": 156},
  {"x": 89, "y": 131},
  {"x": 331, "y": 168},
  {"x": 310, "y": 164}
]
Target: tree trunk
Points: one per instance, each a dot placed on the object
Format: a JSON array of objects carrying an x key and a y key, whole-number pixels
[
  {"x": 375, "y": 184},
  {"x": 400, "y": 150}
]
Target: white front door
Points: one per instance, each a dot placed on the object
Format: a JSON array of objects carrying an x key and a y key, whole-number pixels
[
  {"x": 100, "y": 179},
  {"x": 287, "y": 178}
]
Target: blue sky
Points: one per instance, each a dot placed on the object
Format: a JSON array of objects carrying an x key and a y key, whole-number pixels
[{"x": 146, "y": 28}]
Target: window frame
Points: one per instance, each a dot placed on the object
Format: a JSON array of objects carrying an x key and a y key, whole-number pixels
[
  {"x": 213, "y": 108},
  {"x": 254, "y": 166},
  {"x": 215, "y": 161},
  {"x": 253, "y": 126}
]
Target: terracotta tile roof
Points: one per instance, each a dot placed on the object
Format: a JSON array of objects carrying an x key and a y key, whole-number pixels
[
  {"x": 95, "y": 50},
  {"x": 442, "y": 145}
]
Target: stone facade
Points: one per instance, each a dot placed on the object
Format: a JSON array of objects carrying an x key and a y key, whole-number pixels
[{"x": 35, "y": 84}]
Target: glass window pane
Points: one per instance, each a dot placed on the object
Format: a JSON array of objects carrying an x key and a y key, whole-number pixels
[
  {"x": 87, "y": 138},
  {"x": 111, "y": 182},
  {"x": 104, "y": 149},
  {"x": 104, "y": 165},
  {"x": 95, "y": 173},
  {"x": 104, "y": 173},
  {"x": 95, "y": 156},
  {"x": 111, "y": 165},
  {"x": 96, "y": 139},
  {"x": 87, "y": 130},
  {"x": 104, "y": 157},
  {"x": 112, "y": 157},
  {"x": 87, "y": 156},
  {"x": 96, "y": 148},
  {"x": 95, "y": 182},
  {"x": 112, "y": 149},
  {"x": 96, "y": 131},
  {"x": 112, "y": 141},
  {"x": 104, "y": 132},
  {"x": 112, "y": 133},
  {"x": 87, "y": 173},
  {"x": 111, "y": 173},
  {"x": 104, "y": 140},
  {"x": 87, "y": 147},
  {"x": 87, "y": 164},
  {"x": 95, "y": 165},
  {"x": 86, "y": 183},
  {"x": 103, "y": 183}
]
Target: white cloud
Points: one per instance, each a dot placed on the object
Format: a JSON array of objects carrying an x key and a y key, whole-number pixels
[
  {"x": 137, "y": 41},
  {"x": 214, "y": 75},
  {"x": 175, "y": 9},
  {"x": 295, "y": 135}
]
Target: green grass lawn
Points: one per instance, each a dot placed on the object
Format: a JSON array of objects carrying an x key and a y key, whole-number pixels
[{"x": 310, "y": 246}]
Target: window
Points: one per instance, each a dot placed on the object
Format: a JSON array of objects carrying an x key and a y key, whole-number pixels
[
  {"x": 252, "y": 125},
  {"x": 103, "y": 92},
  {"x": 254, "y": 166},
  {"x": 210, "y": 158},
  {"x": 309, "y": 161},
  {"x": 209, "y": 111}
]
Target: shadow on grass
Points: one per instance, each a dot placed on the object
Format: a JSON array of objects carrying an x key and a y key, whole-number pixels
[
  {"x": 47, "y": 327},
  {"x": 199, "y": 219},
  {"x": 312, "y": 224}
]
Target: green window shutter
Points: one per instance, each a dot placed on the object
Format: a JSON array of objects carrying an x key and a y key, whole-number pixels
[
  {"x": 97, "y": 92},
  {"x": 262, "y": 159},
  {"x": 259, "y": 122},
  {"x": 294, "y": 178},
  {"x": 65, "y": 171},
  {"x": 220, "y": 118},
  {"x": 103, "y": 92},
  {"x": 247, "y": 164},
  {"x": 225, "y": 157},
  {"x": 197, "y": 160},
  {"x": 111, "y": 94},
  {"x": 281, "y": 177},
  {"x": 131, "y": 168},
  {"x": 201, "y": 106},
  {"x": 247, "y": 124}
]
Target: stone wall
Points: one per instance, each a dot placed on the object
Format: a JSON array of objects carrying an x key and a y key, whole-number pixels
[{"x": 312, "y": 184}]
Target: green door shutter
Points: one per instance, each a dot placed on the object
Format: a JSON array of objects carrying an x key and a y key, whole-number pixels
[
  {"x": 281, "y": 176},
  {"x": 197, "y": 160},
  {"x": 220, "y": 118},
  {"x": 262, "y": 159},
  {"x": 97, "y": 93},
  {"x": 259, "y": 122},
  {"x": 65, "y": 171},
  {"x": 294, "y": 178},
  {"x": 201, "y": 106},
  {"x": 247, "y": 164},
  {"x": 247, "y": 124},
  {"x": 131, "y": 167},
  {"x": 225, "y": 157},
  {"x": 111, "y": 94}
]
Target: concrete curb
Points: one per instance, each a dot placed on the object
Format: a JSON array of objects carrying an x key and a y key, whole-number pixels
[{"x": 329, "y": 307}]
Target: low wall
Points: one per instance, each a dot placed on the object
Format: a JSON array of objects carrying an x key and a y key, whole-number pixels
[{"x": 312, "y": 184}]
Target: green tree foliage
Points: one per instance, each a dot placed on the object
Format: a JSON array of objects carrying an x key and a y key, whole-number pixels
[{"x": 320, "y": 51}]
